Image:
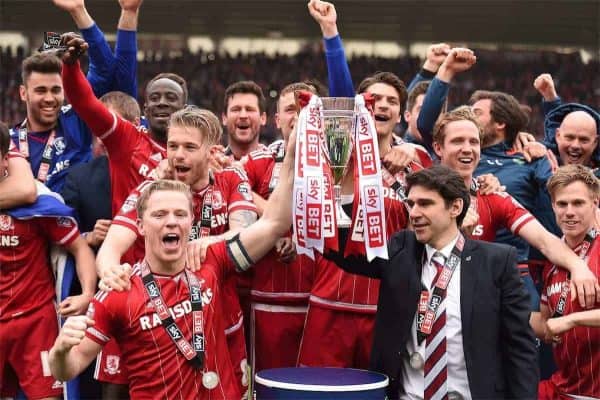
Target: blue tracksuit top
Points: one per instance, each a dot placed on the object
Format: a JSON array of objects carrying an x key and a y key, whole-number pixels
[{"x": 526, "y": 182}]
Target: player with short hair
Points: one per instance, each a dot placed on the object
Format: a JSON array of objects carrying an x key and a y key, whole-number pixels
[
  {"x": 222, "y": 206},
  {"x": 166, "y": 295},
  {"x": 457, "y": 137},
  {"x": 243, "y": 116},
  {"x": 575, "y": 192},
  {"x": 52, "y": 137}
]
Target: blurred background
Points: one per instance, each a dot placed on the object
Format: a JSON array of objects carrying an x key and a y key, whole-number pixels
[{"x": 275, "y": 42}]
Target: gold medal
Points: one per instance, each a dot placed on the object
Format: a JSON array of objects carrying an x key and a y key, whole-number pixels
[{"x": 210, "y": 380}]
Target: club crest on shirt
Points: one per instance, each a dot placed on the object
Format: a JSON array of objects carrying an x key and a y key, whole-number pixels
[
  {"x": 245, "y": 191},
  {"x": 6, "y": 223},
  {"x": 64, "y": 222},
  {"x": 129, "y": 204},
  {"x": 59, "y": 145},
  {"x": 112, "y": 364}
]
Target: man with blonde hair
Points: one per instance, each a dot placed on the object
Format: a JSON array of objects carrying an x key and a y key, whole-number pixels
[
  {"x": 575, "y": 194},
  {"x": 222, "y": 206}
]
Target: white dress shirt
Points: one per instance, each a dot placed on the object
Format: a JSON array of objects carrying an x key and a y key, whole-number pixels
[{"x": 413, "y": 380}]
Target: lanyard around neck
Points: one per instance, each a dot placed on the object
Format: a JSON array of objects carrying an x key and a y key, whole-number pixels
[
  {"x": 194, "y": 353},
  {"x": 46, "y": 161}
]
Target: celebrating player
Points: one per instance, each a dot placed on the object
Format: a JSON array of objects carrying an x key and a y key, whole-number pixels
[{"x": 168, "y": 305}]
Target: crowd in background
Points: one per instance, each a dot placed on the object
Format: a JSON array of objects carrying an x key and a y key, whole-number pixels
[{"x": 208, "y": 77}]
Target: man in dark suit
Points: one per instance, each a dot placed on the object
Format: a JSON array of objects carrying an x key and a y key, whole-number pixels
[{"x": 462, "y": 332}]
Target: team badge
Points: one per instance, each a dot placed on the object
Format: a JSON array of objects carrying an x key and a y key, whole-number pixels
[
  {"x": 6, "y": 223},
  {"x": 64, "y": 222},
  {"x": 129, "y": 204},
  {"x": 59, "y": 146},
  {"x": 245, "y": 191},
  {"x": 112, "y": 365}
]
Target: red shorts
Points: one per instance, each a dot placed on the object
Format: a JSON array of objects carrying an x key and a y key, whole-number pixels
[
  {"x": 335, "y": 338},
  {"x": 26, "y": 341},
  {"x": 276, "y": 334},
  {"x": 236, "y": 343},
  {"x": 109, "y": 365}
]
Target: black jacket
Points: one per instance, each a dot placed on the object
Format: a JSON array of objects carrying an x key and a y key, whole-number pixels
[{"x": 499, "y": 344}]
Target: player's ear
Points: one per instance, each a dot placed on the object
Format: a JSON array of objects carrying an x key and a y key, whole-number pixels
[{"x": 140, "y": 226}]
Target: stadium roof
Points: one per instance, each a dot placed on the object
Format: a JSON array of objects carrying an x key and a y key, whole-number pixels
[{"x": 536, "y": 22}]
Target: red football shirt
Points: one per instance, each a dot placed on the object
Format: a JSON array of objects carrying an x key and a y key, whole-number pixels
[
  {"x": 499, "y": 210},
  {"x": 132, "y": 154},
  {"x": 231, "y": 192},
  {"x": 577, "y": 356},
  {"x": 337, "y": 289},
  {"x": 272, "y": 280},
  {"x": 26, "y": 279},
  {"x": 156, "y": 367}
]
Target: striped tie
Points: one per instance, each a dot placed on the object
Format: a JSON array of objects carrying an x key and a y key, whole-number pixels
[{"x": 436, "y": 371}]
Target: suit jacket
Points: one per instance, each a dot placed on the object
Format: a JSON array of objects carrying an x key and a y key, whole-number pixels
[
  {"x": 87, "y": 190},
  {"x": 499, "y": 344}
]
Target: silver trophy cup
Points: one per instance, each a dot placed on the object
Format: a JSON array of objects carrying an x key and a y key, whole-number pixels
[{"x": 338, "y": 115}]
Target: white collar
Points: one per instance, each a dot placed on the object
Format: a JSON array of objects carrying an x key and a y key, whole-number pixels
[{"x": 446, "y": 250}]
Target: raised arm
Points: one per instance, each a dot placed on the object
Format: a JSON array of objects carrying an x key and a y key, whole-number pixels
[
  {"x": 338, "y": 73},
  {"x": 458, "y": 60},
  {"x": 436, "y": 54},
  {"x": 95, "y": 114},
  {"x": 126, "y": 48},
  {"x": 102, "y": 61},
  {"x": 544, "y": 84}
]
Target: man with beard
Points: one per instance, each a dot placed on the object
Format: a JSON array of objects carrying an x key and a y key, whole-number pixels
[
  {"x": 453, "y": 316},
  {"x": 501, "y": 118},
  {"x": 52, "y": 137},
  {"x": 222, "y": 206},
  {"x": 244, "y": 115}
]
